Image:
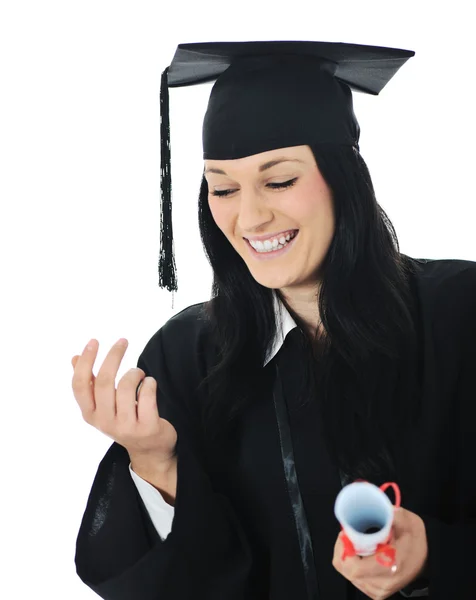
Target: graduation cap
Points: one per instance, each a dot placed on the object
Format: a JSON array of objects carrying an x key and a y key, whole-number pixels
[{"x": 269, "y": 95}]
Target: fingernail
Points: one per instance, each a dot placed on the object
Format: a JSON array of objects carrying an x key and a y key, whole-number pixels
[
  {"x": 91, "y": 344},
  {"x": 122, "y": 342}
]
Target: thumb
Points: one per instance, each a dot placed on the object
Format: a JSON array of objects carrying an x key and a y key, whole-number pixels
[{"x": 398, "y": 523}]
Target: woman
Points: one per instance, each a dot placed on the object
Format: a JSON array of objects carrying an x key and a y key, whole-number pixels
[{"x": 324, "y": 355}]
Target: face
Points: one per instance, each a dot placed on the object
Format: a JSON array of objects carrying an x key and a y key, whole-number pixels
[{"x": 274, "y": 196}]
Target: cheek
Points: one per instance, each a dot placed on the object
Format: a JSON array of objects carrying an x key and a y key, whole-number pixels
[
  {"x": 309, "y": 202},
  {"x": 220, "y": 213}
]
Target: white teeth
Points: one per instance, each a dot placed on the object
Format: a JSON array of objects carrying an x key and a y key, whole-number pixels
[{"x": 274, "y": 244}]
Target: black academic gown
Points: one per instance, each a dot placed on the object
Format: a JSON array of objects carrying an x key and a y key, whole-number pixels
[{"x": 257, "y": 521}]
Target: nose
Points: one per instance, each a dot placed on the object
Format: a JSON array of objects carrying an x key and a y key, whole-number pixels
[{"x": 254, "y": 213}]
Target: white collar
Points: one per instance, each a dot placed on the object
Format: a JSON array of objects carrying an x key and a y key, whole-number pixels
[{"x": 284, "y": 324}]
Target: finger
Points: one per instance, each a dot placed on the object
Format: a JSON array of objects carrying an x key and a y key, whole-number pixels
[
  {"x": 370, "y": 568},
  {"x": 105, "y": 384},
  {"x": 349, "y": 567},
  {"x": 357, "y": 567},
  {"x": 126, "y": 395},
  {"x": 82, "y": 376},
  {"x": 337, "y": 561},
  {"x": 147, "y": 410},
  {"x": 74, "y": 361}
]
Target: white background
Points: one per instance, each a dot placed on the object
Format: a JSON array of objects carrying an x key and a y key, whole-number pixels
[{"x": 80, "y": 221}]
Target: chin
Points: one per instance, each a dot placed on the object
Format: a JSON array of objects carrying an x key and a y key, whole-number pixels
[{"x": 273, "y": 283}]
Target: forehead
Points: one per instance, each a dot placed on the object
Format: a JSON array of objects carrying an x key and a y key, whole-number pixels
[{"x": 260, "y": 162}]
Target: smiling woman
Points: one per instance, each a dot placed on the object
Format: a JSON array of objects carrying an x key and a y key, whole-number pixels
[
  {"x": 328, "y": 279},
  {"x": 324, "y": 355},
  {"x": 248, "y": 201}
]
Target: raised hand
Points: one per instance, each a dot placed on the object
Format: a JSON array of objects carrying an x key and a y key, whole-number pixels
[{"x": 134, "y": 424}]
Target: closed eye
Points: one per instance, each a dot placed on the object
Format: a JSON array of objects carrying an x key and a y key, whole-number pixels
[{"x": 273, "y": 186}]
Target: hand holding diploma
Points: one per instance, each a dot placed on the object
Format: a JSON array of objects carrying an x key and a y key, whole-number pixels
[{"x": 363, "y": 558}]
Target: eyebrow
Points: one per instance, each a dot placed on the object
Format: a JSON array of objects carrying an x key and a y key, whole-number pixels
[{"x": 263, "y": 167}]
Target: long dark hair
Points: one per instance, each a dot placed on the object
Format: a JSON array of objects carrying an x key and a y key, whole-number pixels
[{"x": 365, "y": 305}]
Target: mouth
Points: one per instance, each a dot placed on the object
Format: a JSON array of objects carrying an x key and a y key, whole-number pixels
[
  {"x": 262, "y": 252},
  {"x": 286, "y": 234}
]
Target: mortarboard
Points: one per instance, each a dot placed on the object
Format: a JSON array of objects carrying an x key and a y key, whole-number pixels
[{"x": 269, "y": 95}]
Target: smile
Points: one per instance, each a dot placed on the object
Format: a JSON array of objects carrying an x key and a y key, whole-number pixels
[{"x": 268, "y": 249}]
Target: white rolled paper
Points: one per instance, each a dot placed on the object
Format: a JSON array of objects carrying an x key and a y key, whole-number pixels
[{"x": 366, "y": 514}]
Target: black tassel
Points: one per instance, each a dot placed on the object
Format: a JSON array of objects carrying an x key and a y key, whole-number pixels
[{"x": 167, "y": 268}]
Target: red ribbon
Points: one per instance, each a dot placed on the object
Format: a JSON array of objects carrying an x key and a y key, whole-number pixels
[{"x": 383, "y": 549}]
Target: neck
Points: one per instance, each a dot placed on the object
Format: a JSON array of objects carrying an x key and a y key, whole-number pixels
[{"x": 304, "y": 302}]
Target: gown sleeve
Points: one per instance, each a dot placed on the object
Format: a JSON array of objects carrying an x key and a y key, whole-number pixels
[
  {"x": 451, "y": 564},
  {"x": 119, "y": 553}
]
